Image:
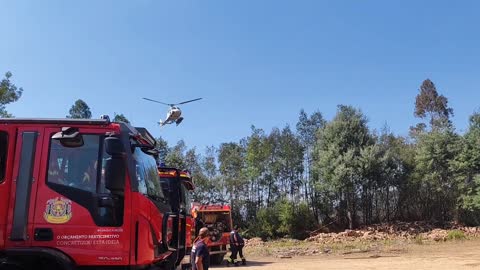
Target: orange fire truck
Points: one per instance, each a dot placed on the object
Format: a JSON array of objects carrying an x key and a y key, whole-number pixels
[{"x": 218, "y": 220}]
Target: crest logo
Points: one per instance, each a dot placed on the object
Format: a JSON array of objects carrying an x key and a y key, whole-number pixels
[{"x": 58, "y": 211}]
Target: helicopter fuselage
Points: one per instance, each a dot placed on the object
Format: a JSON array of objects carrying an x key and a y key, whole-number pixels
[{"x": 172, "y": 116}]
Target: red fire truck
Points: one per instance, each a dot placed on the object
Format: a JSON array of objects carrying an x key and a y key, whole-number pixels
[
  {"x": 83, "y": 194},
  {"x": 218, "y": 220}
]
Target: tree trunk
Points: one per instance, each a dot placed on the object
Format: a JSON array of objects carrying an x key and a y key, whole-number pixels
[{"x": 387, "y": 203}]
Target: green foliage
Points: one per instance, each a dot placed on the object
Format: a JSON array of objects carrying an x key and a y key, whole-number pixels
[
  {"x": 467, "y": 170},
  {"x": 284, "y": 219},
  {"x": 307, "y": 130},
  {"x": 267, "y": 224},
  {"x": 434, "y": 158},
  {"x": 231, "y": 158},
  {"x": 120, "y": 118},
  {"x": 208, "y": 183},
  {"x": 338, "y": 159},
  {"x": 80, "y": 110},
  {"x": 470, "y": 198},
  {"x": 163, "y": 149},
  {"x": 8, "y": 93},
  {"x": 455, "y": 235},
  {"x": 429, "y": 103},
  {"x": 307, "y": 127},
  {"x": 296, "y": 221}
]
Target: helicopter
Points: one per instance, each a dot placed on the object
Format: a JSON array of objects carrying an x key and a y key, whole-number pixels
[{"x": 174, "y": 115}]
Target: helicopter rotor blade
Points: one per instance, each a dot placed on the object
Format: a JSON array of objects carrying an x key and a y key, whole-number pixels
[
  {"x": 158, "y": 102},
  {"x": 188, "y": 101}
]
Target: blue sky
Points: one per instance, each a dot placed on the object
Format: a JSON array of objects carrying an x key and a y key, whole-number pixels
[{"x": 253, "y": 62}]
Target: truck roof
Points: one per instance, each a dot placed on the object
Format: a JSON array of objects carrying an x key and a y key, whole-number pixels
[
  {"x": 136, "y": 131},
  {"x": 214, "y": 207}
]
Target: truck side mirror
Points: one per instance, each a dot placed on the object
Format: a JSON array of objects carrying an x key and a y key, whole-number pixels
[
  {"x": 115, "y": 168},
  {"x": 69, "y": 137},
  {"x": 114, "y": 146},
  {"x": 115, "y": 174}
]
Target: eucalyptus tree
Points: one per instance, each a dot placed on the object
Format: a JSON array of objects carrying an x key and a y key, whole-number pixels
[
  {"x": 307, "y": 130},
  {"x": 9, "y": 93},
  {"x": 120, "y": 118},
  {"x": 80, "y": 110},
  {"x": 435, "y": 152},
  {"x": 467, "y": 171},
  {"x": 338, "y": 162}
]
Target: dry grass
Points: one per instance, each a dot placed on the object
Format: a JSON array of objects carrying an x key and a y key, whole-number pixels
[{"x": 302, "y": 248}]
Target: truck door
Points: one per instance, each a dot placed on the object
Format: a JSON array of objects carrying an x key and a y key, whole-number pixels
[
  {"x": 24, "y": 180},
  {"x": 7, "y": 147},
  {"x": 75, "y": 213}
]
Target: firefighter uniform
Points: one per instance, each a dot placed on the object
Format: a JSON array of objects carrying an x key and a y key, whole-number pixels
[{"x": 236, "y": 247}]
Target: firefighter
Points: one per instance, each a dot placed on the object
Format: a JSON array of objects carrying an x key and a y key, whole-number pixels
[
  {"x": 198, "y": 223},
  {"x": 54, "y": 171},
  {"x": 200, "y": 256},
  {"x": 236, "y": 247},
  {"x": 89, "y": 176}
]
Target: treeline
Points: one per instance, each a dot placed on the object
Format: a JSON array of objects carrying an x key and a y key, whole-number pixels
[
  {"x": 341, "y": 174},
  {"x": 334, "y": 174}
]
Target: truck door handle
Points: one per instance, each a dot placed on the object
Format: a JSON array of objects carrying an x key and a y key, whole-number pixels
[{"x": 43, "y": 234}]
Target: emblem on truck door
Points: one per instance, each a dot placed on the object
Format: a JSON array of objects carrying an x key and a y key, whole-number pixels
[{"x": 58, "y": 211}]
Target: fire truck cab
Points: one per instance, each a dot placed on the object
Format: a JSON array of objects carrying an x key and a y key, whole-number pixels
[
  {"x": 83, "y": 194},
  {"x": 178, "y": 185}
]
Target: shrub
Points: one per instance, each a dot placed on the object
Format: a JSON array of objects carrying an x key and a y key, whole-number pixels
[
  {"x": 418, "y": 240},
  {"x": 296, "y": 221},
  {"x": 284, "y": 219},
  {"x": 266, "y": 224},
  {"x": 455, "y": 235}
]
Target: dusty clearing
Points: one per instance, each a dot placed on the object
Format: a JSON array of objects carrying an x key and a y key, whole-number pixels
[{"x": 448, "y": 255}]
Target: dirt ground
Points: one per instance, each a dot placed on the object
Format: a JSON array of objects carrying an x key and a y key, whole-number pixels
[{"x": 448, "y": 255}]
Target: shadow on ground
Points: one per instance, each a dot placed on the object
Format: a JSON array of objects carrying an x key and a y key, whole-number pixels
[{"x": 249, "y": 263}]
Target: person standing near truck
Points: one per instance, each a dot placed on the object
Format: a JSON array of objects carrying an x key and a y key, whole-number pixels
[
  {"x": 198, "y": 223},
  {"x": 236, "y": 247},
  {"x": 200, "y": 257}
]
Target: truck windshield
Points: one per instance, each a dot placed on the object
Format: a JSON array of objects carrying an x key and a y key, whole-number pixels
[
  {"x": 181, "y": 199},
  {"x": 77, "y": 167},
  {"x": 186, "y": 199},
  {"x": 147, "y": 175}
]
